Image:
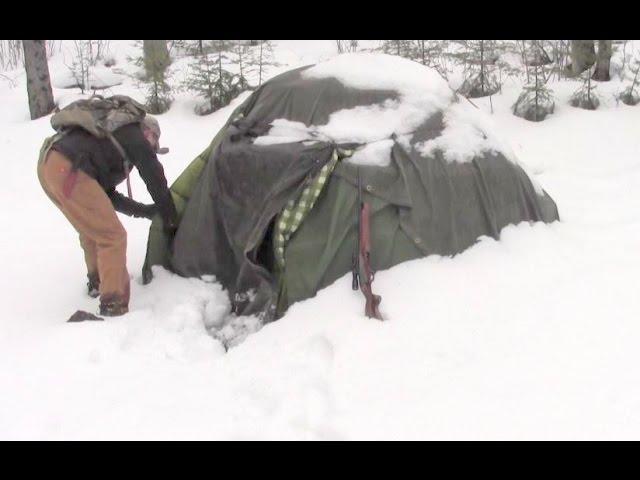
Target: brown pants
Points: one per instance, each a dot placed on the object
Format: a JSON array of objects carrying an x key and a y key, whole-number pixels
[{"x": 90, "y": 211}]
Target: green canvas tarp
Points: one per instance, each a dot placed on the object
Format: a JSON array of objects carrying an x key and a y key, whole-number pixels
[{"x": 230, "y": 196}]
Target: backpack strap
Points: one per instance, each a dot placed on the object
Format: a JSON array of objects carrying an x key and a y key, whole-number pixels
[{"x": 125, "y": 159}]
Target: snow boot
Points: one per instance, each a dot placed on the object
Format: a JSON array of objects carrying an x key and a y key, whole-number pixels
[{"x": 113, "y": 309}]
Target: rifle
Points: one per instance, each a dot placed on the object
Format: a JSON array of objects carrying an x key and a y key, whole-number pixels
[
  {"x": 361, "y": 268},
  {"x": 355, "y": 258}
]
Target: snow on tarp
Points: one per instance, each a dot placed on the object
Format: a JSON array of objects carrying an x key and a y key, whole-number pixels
[
  {"x": 467, "y": 133},
  {"x": 421, "y": 93},
  {"x": 284, "y": 134}
]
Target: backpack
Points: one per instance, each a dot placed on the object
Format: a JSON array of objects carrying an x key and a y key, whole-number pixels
[
  {"x": 98, "y": 115},
  {"x": 101, "y": 117}
]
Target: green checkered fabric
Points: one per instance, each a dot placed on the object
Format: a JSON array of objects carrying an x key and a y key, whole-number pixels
[{"x": 296, "y": 210}]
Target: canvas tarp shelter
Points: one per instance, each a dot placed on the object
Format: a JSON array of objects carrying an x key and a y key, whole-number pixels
[{"x": 231, "y": 195}]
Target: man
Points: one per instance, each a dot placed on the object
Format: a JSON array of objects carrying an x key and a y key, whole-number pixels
[{"x": 80, "y": 173}]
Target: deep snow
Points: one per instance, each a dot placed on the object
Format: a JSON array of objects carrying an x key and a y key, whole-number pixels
[{"x": 531, "y": 337}]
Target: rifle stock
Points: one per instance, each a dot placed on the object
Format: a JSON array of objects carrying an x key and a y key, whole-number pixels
[{"x": 372, "y": 301}]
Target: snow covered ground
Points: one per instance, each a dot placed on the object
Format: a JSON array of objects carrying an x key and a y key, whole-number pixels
[{"x": 534, "y": 336}]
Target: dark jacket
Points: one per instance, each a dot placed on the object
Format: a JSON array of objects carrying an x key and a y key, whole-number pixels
[{"x": 99, "y": 159}]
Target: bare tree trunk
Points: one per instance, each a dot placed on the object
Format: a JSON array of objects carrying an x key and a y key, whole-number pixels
[
  {"x": 482, "y": 66},
  {"x": 156, "y": 57},
  {"x": 38, "y": 82},
  {"x": 260, "y": 73},
  {"x": 583, "y": 56},
  {"x": 603, "y": 61}
]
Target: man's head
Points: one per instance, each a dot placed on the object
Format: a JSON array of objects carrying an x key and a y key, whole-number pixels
[{"x": 151, "y": 130}]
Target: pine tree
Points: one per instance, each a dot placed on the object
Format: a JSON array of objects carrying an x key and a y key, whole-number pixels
[
  {"x": 536, "y": 100},
  {"x": 630, "y": 95},
  {"x": 155, "y": 62},
  {"x": 211, "y": 81},
  {"x": 478, "y": 58},
  {"x": 586, "y": 97}
]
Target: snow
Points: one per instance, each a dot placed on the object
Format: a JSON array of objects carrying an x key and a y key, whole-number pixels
[
  {"x": 286, "y": 131},
  {"x": 375, "y": 153},
  {"x": 420, "y": 90},
  {"x": 370, "y": 71},
  {"x": 468, "y": 131},
  {"x": 421, "y": 93},
  {"x": 531, "y": 337},
  {"x": 100, "y": 77}
]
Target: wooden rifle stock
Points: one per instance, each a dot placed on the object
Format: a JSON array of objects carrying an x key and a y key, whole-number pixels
[{"x": 372, "y": 302}]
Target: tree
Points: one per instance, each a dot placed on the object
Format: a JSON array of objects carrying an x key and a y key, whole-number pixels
[
  {"x": 561, "y": 52},
  {"x": 603, "y": 61},
  {"x": 630, "y": 95},
  {"x": 242, "y": 58},
  {"x": 347, "y": 46},
  {"x": 401, "y": 48},
  {"x": 155, "y": 61},
  {"x": 536, "y": 100},
  {"x": 209, "y": 78},
  {"x": 11, "y": 53},
  {"x": 38, "y": 81},
  {"x": 432, "y": 53},
  {"x": 585, "y": 97},
  {"x": 156, "y": 57},
  {"x": 80, "y": 65},
  {"x": 478, "y": 58},
  {"x": 583, "y": 56},
  {"x": 261, "y": 56}
]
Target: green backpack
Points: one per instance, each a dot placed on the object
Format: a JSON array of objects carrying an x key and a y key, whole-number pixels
[{"x": 101, "y": 117}]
